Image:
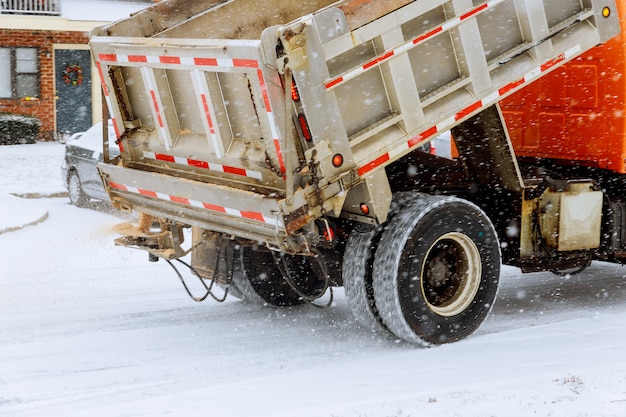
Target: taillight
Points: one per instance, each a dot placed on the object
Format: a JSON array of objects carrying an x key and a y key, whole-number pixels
[
  {"x": 295, "y": 95},
  {"x": 304, "y": 127}
]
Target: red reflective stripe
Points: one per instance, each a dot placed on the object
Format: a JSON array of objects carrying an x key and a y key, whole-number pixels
[
  {"x": 211, "y": 62},
  {"x": 245, "y": 63},
  {"x": 552, "y": 62},
  {"x": 104, "y": 85},
  {"x": 235, "y": 171},
  {"x": 370, "y": 64},
  {"x": 378, "y": 60},
  {"x": 199, "y": 164},
  {"x": 468, "y": 110},
  {"x": 212, "y": 207},
  {"x": 156, "y": 108},
  {"x": 169, "y": 60},
  {"x": 510, "y": 87},
  {"x": 279, "y": 154},
  {"x": 108, "y": 57},
  {"x": 137, "y": 58},
  {"x": 118, "y": 186},
  {"x": 117, "y": 133},
  {"x": 147, "y": 193},
  {"x": 163, "y": 157},
  {"x": 387, "y": 55},
  {"x": 252, "y": 216},
  {"x": 473, "y": 12},
  {"x": 334, "y": 82},
  {"x": 266, "y": 98},
  {"x": 375, "y": 163},
  {"x": 179, "y": 200},
  {"x": 207, "y": 112},
  {"x": 427, "y": 35},
  {"x": 426, "y": 134}
]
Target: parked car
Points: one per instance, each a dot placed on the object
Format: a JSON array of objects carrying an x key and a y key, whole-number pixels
[
  {"x": 71, "y": 138},
  {"x": 79, "y": 171}
]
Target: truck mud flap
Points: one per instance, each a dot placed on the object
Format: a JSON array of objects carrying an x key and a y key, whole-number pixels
[{"x": 213, "y": 207}]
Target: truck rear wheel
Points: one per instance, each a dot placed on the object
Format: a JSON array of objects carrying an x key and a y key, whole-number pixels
[
  {"x": 436, "y": 270},
  {"x": 357, "y": 279},
  {"x": 259, "y": 279}
]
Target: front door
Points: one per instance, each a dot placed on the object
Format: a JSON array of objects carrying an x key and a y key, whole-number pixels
[{"x": 73, "y": 91}]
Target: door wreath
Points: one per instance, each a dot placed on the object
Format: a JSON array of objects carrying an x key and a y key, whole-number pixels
[{"x": 73, "y": 75}]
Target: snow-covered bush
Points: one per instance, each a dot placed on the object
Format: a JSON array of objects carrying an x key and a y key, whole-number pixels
[{"x": 17, "y": 128}]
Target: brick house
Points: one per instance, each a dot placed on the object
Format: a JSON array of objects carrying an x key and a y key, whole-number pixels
[{"x": 45, "y": 65}]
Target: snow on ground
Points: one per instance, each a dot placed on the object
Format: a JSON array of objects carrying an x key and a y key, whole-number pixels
[
  {"x": 90, "y": 329},
  {"x": 29, "y": 213},
  {"x": 28, "y": 171}
]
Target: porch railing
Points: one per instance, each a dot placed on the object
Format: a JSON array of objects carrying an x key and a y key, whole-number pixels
[{"x": 31, "y": 7}]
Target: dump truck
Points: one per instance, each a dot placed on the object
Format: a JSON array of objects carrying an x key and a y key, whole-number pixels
[{"x": 276, "y": 150}]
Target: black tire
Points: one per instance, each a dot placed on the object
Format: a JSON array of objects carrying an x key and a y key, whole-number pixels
[
  {"x": 357, "y": 267},
  {"x": 75, "y": 190},
  {"x": 357, "y": 279},
  {"x": 260, "y": 280},
  {"x": 242, "y": 283},
  {"x": 436, "y": 271}
]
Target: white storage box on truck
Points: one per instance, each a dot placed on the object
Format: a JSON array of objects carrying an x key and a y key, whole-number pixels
[{"x": 288, "y": 136}]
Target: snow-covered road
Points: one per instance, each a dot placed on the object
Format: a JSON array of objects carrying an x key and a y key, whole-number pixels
[{"x": 90, "y": 329}]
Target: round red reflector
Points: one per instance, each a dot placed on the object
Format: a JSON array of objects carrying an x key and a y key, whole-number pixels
[
  {"x": 338, "y": 160},
  {"x": 365, "y": 209}
]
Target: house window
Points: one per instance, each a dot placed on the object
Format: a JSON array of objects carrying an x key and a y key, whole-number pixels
[{"x": 19, "y": 72}]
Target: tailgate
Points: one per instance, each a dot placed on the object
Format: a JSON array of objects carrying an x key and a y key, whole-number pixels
[{"x": 199, "y": 122}]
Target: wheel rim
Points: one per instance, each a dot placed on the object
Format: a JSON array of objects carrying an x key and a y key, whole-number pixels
[
  {"x": 74, "y": 188},
  {"x": 451, "y": 274}
]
